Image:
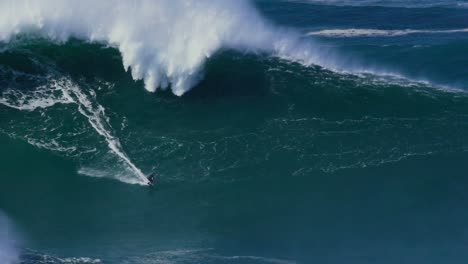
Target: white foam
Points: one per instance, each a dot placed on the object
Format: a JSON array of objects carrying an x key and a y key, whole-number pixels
[
  {"x": 42, "y": 97},
  {"x": 164, "y": 42},
  {"x": 356, "y": 32},
  {"x": 64, "y": 91},
  {"x": 97, "y": 118},
  {"x": 79, "y": 260},
  {"x": 167, "y": 42},
  {"x": 122, "y": 175},
  {"x": 52, "y": 145}
]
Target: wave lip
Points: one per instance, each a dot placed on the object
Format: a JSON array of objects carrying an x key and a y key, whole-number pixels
[
  {"x": 356, "y": 32},
  {"x": 164, "y": 42}
]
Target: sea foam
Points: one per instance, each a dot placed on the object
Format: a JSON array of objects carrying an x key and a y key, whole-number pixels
[{"x": 163, "y": 42}]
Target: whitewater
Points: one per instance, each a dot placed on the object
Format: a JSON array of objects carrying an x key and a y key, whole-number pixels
[
  {"x": 164, "y": 42},
  {"x": 265, "y": 122},
  {"x": 62, "y": 90}
]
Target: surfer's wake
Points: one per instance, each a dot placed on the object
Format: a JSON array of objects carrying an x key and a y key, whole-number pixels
[{"x": 97, "y": 118}]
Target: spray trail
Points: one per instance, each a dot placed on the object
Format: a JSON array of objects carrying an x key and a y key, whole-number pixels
[
  {"x": 95, "y": 113},
  {"x": 64, "y": 91}
]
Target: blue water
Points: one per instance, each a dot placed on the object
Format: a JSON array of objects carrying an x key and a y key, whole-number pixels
[{"x": 349, "y": 145}]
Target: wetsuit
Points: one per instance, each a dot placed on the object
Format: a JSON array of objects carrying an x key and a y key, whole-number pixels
[{"x": 151, "y": 179}]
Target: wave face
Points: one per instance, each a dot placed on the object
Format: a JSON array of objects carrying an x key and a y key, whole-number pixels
[
  {"x": 266, "y": 161},
  {"x": 164, "y": 42}
]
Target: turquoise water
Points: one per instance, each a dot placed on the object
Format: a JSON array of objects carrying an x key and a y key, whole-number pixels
[{"x": 349, "y": 146}]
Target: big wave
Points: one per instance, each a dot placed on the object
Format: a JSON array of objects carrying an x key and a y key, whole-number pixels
[
  {"x": 9, "y": 253},
  {"x": 164, "y": 42},
  {"x": 389, "y": 3},
  {"x": 358, "y": 32}
]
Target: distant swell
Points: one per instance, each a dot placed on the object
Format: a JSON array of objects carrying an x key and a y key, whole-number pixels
[
  {"x": 389, "y": 3},
  {"x": 163, "y": 42},
  {"x": 354, "y": 32}
]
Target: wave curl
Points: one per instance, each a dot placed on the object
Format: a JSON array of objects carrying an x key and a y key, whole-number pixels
[{"x": 163, "y": 42}]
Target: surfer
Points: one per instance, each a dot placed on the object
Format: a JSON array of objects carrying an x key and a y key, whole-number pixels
[{"x": 151, "y": 178}]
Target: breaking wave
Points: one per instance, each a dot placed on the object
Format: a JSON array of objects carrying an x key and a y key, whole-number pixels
[
  {"x": 62, "y": 90},
  {"x": 389, "y": 3},
  {"x": 164, "y": 42}
]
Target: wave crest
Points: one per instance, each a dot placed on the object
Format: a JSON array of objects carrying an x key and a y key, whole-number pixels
[{"x": 163, "y": 42}]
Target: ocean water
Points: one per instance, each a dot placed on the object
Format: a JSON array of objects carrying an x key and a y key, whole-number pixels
[{"x": 315, "y": 131}]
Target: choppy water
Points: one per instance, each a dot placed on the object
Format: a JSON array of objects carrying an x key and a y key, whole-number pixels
[{"x": 308, "y": 131}]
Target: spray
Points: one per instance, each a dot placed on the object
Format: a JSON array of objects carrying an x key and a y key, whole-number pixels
[
  {"x": 9, "y": 251},
  {"x": 163, "y": 42}
]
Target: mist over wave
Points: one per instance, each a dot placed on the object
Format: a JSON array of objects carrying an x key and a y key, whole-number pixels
[
  {"x": 164, "y": 42},
  {"x": 9, "y": 253}
]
